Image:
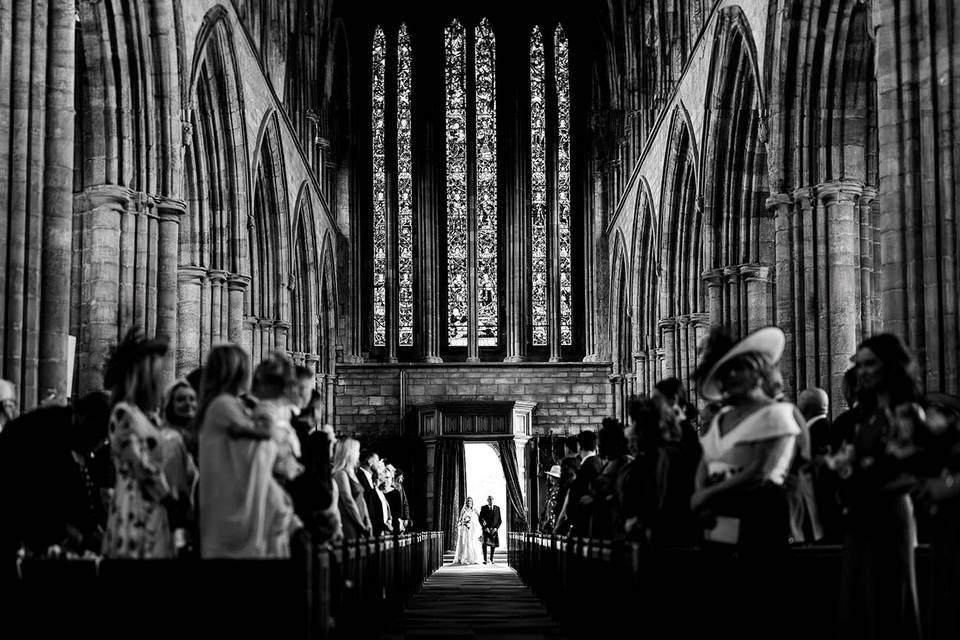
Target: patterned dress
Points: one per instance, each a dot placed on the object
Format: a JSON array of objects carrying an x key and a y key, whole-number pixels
[{"x": 137, "y": 524}]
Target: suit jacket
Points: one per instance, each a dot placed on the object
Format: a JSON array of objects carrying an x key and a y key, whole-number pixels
[
  {"x": 395, "y": 501},
  {"x": 579, "y": 516},
  {"x": 490, "y": 518},
  {"x": 374, "y": 506}
]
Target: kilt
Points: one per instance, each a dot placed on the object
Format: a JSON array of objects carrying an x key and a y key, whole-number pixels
[{"x": 490, "y": 537}]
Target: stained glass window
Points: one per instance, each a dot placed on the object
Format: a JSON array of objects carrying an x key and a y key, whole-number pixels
[
  {"x": 405, "y": 188},
  {"x": 538, "y": 184},
  {"x": 379, "y": 190},
  {"x": 486, "y": 148},
  {"x": 561, "y": 54},
  {"x": 456, "y": 157}
]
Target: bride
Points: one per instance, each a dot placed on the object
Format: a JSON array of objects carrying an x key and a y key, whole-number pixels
[{"x": 468, "y": 535}]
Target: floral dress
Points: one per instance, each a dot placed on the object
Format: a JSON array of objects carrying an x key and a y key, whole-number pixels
[{"x": 137, "y": 524}]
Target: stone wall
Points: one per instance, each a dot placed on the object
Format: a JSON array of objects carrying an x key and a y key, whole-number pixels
[{"x": 570, "y": 397}]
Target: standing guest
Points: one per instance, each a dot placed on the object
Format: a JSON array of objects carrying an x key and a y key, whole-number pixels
[
  {"x": 814, "y": 404},
  {"x": 353, "y": 506},
  {"x": 548, "y": 517},
  {"x": 313, "y": 491},
  {"x": 939, "y": 495},
  {"x": 380, "y": 489},
  {"x": 369, "y": 464},
  {"x": 601, "y": 501},
  {"x": 655, "y": 489},
  {"x": 8, "y": 403},
  {"x": 306, "y": 385},
  {"x": 235, "y": 487},
  {"x": 747, "y": 450},
  {"x": 879, "y": 589},
  {"x": 574, "y": 511},
  {"x": 674, "y": 397},
  {"x": 138, "y": 523},
  {"x": 569, "y": 466},
  {"x": 403, "y": 512},
  {"x": 179, "y": 466},
  {"x": 805, "y": 524}
]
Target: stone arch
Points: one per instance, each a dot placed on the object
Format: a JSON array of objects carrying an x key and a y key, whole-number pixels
[
  {"x": 738, "y": 233},
  {"x": 682, "y": 300},
  {"x": 824, "y": 126},
  {"x": 305, "y": 292},
  {"x": 646, "y": 286},
  {"x": 214, "y": 272},
  {"x": 269, "y": 243}
]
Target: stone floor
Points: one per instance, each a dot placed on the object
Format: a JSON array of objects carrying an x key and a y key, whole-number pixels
[{"x": 476, "y": 602}]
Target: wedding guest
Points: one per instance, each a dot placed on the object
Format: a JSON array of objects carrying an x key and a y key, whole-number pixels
[
  {"x": 368, "y": 469},
  {"x": 939, "y": 495},
  {"x": 601, "y": 500},
  {"x": 573, "y": 512},
  {"x": 396, "y": 499},
  {"x": 236, "y": 478},
  {"x": 8, "y": 403},
  {"x": 747, "y": 450},
  {"x": 814, "y": 404},
  {"x": 313, "y": 491},
  {"x": 353, "y": 506},
  {"x": 800, "y": 484},
  {"x": 548, "y": 516},
  {"x": 402, "y": 513},
  {"x": 138, "y": 522},
  {"x": 878, "y": 582},
  {"x": 569, "y": 466},
  {"x": 674, "y": 397},
  {"x": 179, "y": 466},
  {"x": 380, "y": 488}
]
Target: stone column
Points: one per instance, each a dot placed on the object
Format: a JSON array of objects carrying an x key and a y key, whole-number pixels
[
  {"x": 701, "y": 329},
  {"x": 217, "y": 278},
  {"x": 641, "y": 374},
  {"x": 683, "y": 347},
  {"x": 237, "y": 286},
  {"x": 781, "y": 206},
  {"x": 806, "y": 295},
  {"x": 839, "y": 199},
  {"x": 190, "y": 285},
  {"x": 867, "y": 309},
  {"x": 714, "y": 281},
  {"x": 668, "y": 329},
  {"x": 55, "y": 260},
  {"x": 101, "y": 208},
  {"x": 732, "y": 309},
  {"x": 281, "y": 334},
  {"x": 169, "y": 211},
  {"x": 757, "y": 278}
]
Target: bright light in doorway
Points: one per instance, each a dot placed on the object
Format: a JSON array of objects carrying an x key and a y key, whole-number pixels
[{"x": 485, "y": 478}]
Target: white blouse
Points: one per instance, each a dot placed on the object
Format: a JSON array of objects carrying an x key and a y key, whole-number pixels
[{"x": 722, "y": 455}]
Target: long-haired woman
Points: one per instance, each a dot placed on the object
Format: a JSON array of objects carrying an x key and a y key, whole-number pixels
[
  {"x": 138, "y": 523},
  {"x": 353, "y": 509},
  {"x": 234, "y": 491}
]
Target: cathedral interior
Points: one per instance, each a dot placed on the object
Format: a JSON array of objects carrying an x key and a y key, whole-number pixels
[{"x": 491, "y": 221}]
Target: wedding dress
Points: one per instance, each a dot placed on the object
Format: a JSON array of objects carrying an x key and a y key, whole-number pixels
[{"x": 468, "y": 537}]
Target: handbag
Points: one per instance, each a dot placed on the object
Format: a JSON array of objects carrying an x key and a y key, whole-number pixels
[{"x": 725, "y": 531}]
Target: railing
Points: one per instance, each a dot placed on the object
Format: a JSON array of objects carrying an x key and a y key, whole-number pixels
[
  {"x": 594, "y": 587},
  {"x": 348, "y": 590}
]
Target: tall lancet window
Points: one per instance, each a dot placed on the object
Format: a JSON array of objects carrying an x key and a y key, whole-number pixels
[
  {"x": 392, "y": 210},
  {"x": 405, "y": 187},
  {"x": 473, "y": 304},
  {"x": 486, "y": 152},
  {"x": 551, "y": 303},
  {"x": 458, "y": 306},
  {"x": 379, "y": 75}
]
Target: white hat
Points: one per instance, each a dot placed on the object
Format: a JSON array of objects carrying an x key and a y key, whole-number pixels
[
  {"x": 767, "y": 342},
  {"x": 554, "y": 471}
]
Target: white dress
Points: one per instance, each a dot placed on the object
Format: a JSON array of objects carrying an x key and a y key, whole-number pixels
[{"x": 468, "y": 538}]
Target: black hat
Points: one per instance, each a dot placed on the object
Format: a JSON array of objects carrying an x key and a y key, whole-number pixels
[{"x": 133, "y": 347}]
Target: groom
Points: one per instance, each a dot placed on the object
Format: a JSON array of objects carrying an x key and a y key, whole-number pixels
[{"x": 490, "y": 521}]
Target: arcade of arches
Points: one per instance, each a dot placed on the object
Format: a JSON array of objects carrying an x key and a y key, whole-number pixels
[{"x": 490, "y": 203}]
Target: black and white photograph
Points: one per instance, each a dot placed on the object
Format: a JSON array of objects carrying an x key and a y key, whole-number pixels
[{"x": 480, "y": 319}]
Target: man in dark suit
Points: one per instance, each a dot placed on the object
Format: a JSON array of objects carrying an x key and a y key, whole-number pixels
[
  {"x": 368, "y": 476},
  {"x": 814, "y": 404},
  {"x": 397, "y": 500},
  {"x": 574, "y": 511},
  {"x": 490, "y": 521},
  {"x": 569, "y": 467}
]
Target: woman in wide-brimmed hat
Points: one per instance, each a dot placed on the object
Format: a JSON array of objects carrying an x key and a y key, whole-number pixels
[
  {"x": 747, "y": 449},
  {"x": 137, "y": 523}
]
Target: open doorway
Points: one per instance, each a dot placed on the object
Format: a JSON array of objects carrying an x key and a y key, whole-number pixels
[{"x": 485, "y": 478}]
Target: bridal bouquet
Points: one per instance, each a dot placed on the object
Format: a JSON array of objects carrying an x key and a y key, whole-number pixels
[{"x": 465, "y": 521}]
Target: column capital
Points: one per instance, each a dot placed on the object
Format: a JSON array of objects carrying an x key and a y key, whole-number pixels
[
  {"x": 806, "y": 196},
  {"x": 700, "y": 320},
  {"x": 186, "y": 132},
  {"x": 779, "y": 204},
  {"x": 105, "y": 195},
  {"x": 757, "y": 272},
  {"x": 281, "y": 325},
  {"x": 170, "y": 209},
  {"x": 712, "y": 277},
  {"x": 312, "y": 358},
  {"x": 668, "y": 324},
  {"x": 868, "y": 195},
  {"x": 683, "y": 320},
  {"x": 191, "y": 273},
  {"x": 217, "y": 276},
  {"x": 237, "y": 282},
  {"x": 263, "y": 323},
  {"x": 839, "y": 191},
  {"x": 731, "y": 273}
]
